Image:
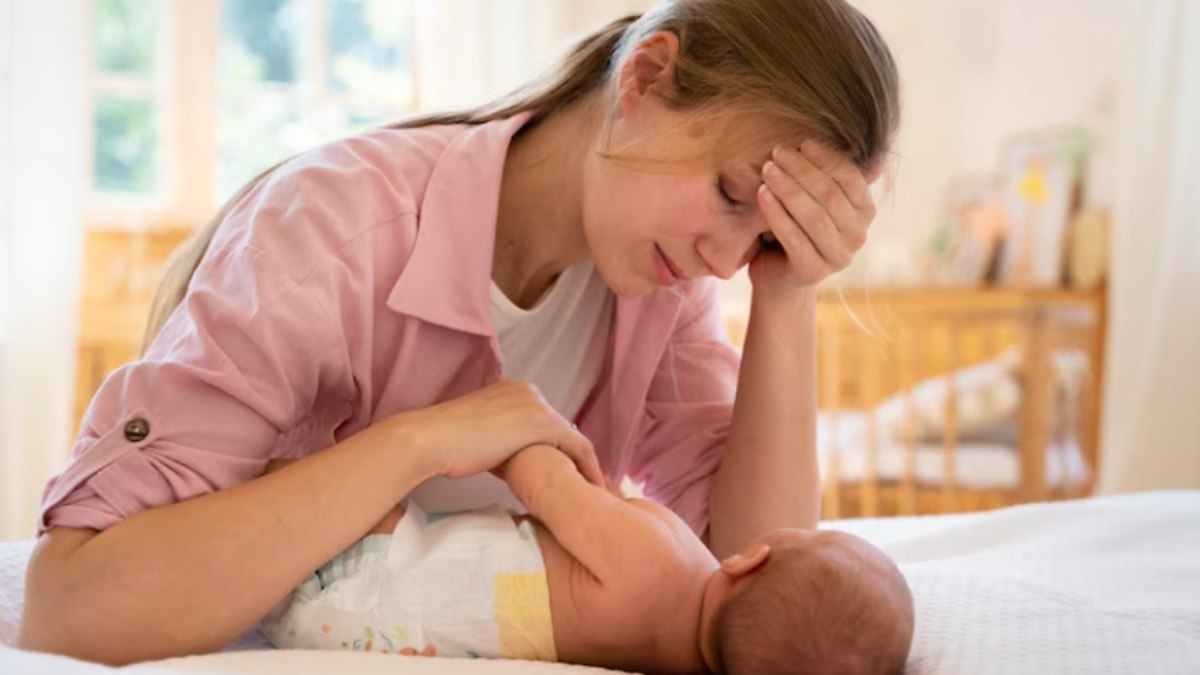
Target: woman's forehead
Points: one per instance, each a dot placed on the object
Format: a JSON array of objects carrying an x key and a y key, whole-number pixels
[
  {"x": 699, "y": 143},
  {"x": 742, "y": 141}
]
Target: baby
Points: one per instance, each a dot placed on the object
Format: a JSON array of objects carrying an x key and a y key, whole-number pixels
[{"x": 592, "y": 578}]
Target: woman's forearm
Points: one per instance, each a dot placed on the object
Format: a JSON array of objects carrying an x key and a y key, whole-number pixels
[
  {"x": 769, "y": 477},
  {"x": 192, "y": 576}
]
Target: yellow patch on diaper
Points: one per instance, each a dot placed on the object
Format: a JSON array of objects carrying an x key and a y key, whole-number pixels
[{"x": 523, "y": 616}]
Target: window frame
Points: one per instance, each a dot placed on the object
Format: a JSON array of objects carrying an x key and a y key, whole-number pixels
[{"x": 189, "y": 92}]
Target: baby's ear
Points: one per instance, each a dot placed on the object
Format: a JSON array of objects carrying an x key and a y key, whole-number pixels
[{"x": 741, "y": 564}]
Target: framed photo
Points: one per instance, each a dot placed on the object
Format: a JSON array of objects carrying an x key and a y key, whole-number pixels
[
  {"x": 1042, "y": 174},
  {"x": 962, "y": 251}
]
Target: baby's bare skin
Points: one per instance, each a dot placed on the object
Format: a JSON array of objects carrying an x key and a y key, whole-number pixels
[
  {"x": 631, "y": 586},
  {"x": 639, "y": 602}
]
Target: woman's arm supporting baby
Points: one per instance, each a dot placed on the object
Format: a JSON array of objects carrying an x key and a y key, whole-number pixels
[
  {"x": 385, "y": 526},
  {"x": 593, "y": 524}
]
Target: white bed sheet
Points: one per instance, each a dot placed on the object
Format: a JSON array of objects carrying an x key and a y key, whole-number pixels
[{"x": 1103, "y": 585}]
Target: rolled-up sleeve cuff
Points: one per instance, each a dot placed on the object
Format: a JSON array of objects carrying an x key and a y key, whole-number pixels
[
  {"x": 89, "y": 493},
  {"x": 86, "y": 510}
]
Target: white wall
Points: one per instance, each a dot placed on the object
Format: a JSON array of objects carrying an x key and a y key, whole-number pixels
[
  {"x": 514, "y": 40},
  {"x": 975, "y": 73}
]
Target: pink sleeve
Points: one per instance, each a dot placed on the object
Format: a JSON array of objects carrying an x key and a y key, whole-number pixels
[
  {"x": 688, "y": 410},
  {"x": 239, "y": 361}
]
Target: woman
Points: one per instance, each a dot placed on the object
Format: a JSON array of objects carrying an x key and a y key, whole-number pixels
[{"x": 427, "y": 299}]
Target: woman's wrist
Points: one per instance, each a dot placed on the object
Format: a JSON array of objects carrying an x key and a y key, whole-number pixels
[
  {"x": 796, "y": 297},
  {"x": 775, "y": 316},
  {"x": 407, "y": 437}
]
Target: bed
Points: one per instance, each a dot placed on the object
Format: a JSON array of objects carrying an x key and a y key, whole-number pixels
[{"x": 1100, "y": 585}]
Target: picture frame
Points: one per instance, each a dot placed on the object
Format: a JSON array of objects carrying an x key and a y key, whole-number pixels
[
  {"x": 1041, "y": 174},
  {"x": 962, "y": 251}
]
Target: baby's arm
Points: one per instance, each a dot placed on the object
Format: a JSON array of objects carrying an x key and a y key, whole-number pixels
[{"x": 594, "y": 525}]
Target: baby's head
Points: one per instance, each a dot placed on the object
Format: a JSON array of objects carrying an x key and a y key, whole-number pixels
[{"x": 807, "y": 601}]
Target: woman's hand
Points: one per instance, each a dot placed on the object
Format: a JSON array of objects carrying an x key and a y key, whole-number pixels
[
  {"x": 479, "y": 431},
  {"x": 819, "y": 207}
]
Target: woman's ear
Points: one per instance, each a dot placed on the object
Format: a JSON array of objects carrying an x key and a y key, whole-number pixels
[
  {"x": 650, "y": 64},
  {"x": 741, "y": 564}
]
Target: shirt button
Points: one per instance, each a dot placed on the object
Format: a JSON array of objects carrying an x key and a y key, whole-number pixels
[{"x": 136, "y": 430}]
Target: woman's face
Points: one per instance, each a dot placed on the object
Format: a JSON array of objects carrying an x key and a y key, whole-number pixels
[{"x": 668, "y": 201}]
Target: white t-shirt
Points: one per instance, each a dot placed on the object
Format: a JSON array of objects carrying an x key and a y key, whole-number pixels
[{"x": 559, "y": 345}]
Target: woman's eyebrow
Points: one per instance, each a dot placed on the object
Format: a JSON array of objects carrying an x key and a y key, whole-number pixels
[{"x": 747, "y": 175}]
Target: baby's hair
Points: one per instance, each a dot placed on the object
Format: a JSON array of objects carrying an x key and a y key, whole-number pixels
[{"x": 817, "y": 608}]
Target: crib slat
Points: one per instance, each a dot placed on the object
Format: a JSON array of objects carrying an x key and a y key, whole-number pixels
[
  {"x": 829, "y": 370},
  {"x": 869, "y": 398},
  {"x": 908, "y": 363},
  {"x": 950, "y": 433},
  {"x": 1034, "y": 418}
]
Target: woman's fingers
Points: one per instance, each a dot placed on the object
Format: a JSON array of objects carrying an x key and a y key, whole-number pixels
[
  {"x": 564, "y": 435},
  {"x": 855, "y": 185},
  {"x": 822, "y": 178},
  {"x": 481, "y": 430},
  {"x": 808, "y": 214},
  {"x": 792, "y": 239},
  {"x": 826, "y": 196},
  {"x": 583, "y": 453},
  {"x": 855, "y": 217}
]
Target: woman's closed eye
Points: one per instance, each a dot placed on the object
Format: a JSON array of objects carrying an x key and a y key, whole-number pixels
[
  {"x": 766, "y": 240},
  {"x": 720, "y": 184}
]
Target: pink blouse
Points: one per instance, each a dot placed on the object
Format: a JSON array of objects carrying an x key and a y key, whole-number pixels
[{"x": 352, "y": 285}]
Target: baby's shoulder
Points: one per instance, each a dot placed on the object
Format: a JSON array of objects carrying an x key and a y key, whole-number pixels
[
  {"x": 663, "y": 545},
  {"x": 670, "y": 525}
]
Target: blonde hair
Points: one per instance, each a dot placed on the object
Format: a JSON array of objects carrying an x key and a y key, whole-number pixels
[{"x": 818, "y": 67}]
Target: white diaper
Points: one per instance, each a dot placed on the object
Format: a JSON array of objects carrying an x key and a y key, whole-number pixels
[{"x": 469, "y": 584}]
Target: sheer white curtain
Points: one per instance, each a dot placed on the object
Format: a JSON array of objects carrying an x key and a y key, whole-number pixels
[
  {"x": 42, "y": 183},
  {"x": 1151, "y": 435}
]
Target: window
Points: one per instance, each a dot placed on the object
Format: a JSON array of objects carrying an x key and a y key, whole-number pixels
[
  {"x": 296, "y": 73},
  {"x": 127, "y": 95},
  {"x": 194, "y": 98}
]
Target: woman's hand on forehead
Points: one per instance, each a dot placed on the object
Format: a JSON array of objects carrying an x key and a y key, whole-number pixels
[{"x": 819, "y": 207}]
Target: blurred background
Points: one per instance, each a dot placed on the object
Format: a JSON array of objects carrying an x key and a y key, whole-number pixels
[{"x": 1022, "y": 325}]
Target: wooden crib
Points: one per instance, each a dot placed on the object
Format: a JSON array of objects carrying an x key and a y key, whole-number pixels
[
  {"x": 874, "y": 346},
  {"x": 884, "y": 353}
]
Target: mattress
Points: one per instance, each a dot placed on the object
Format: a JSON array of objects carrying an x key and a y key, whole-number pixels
[{"x": 1100, "y": 585}]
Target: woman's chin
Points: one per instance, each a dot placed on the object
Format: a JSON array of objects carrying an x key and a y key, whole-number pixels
[{"x": 628, "y": 283}]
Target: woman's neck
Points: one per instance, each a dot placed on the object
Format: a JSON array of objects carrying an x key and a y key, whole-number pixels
[{"x": 539, "y": 223}]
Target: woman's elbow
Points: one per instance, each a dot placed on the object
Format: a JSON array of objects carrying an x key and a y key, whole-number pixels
[{"x": 49, "y": 616}]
